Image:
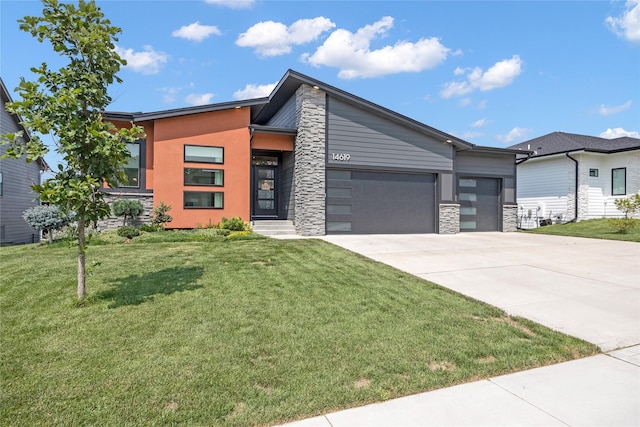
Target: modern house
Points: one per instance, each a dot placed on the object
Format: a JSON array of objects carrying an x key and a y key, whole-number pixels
[
  {"x": 575, "y": 177},
  {"x": 321, "y": 158},
  {"x": 16, "y": 178}
]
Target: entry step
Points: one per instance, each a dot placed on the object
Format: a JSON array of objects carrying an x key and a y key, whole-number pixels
[{"x": 274, "y": 227}]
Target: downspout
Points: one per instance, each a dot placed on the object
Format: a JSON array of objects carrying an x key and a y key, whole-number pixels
[{"x": 575, "y": 218}]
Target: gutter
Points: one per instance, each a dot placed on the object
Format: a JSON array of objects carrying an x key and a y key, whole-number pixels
[{"x": 575, "y": 218}]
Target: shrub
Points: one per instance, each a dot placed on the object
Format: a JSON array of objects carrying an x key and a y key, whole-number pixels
[
  {"x": 128, "y": 231},
  {"x": 160, "y": 215},
  {"x": 127, "y": 208},
  {"x": 628, "y": 206},
  {"x": 233, "y": 224},
  {"x": 46, "y": 218},
  {"x": 623, "y": 225},
  {"x": 151, "y": 228}
]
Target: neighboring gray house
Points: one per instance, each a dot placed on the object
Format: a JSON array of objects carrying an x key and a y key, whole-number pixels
[
  {"x": 575, "y": 177},
  {"x": 16, "y": 178}
]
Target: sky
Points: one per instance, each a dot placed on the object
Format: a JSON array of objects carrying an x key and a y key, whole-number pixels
[{"x": 494, "y": 73}]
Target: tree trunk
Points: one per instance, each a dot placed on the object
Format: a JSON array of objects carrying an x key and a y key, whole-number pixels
[{"x": 81, "y": 261}]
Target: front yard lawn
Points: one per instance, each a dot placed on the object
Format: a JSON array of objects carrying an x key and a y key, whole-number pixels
[
  {"x": 238, "y": 333},
  {"x": 592, "y": 228}
]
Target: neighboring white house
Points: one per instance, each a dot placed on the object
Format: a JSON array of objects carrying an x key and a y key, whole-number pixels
[{"x": 575, "y": 177}]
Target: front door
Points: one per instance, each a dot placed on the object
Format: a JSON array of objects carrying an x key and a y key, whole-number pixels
[{"x": 265, "y": 194}]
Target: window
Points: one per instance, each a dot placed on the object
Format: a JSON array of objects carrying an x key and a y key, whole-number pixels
[
  {"x": 132, "y": 167},
  {"x": 593, "y": 172},
  {"x": 338, "y": 192},
  {"x": 200, "y": 154},
  {"x": 619, "y": 181},
  {"x": 0, "y": 183},
  {"x": 203, "y": 199},
  {"x": 195, "y": 176}
]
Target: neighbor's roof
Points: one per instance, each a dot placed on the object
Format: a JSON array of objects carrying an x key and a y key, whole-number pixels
[{"x": 561, "y": 142}]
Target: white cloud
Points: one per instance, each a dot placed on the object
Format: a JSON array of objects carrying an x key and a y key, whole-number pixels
[
  {"x": 270, "y": 38},
  {"x": 619, "y": 132},
  {"x": 196, "y": 32},
  {"x": 471, "y": 135},
  {"x": 501, "y": 74},
  {"x": 480, "y": 123},
  {"x": 352, "y": 54},
  {"x": 233, "y": 4},
  {"x": 254, "y": 91},
  {"x": 199, "y": 98},
  {"x": 514, "y": 135},
  {"x": 627, "y": 25},
  {"x": 148, "y": 61},
  {"x": 603, "y": 110}
]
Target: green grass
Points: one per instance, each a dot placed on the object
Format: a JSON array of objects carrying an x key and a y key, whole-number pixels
[
  {"x": 238, "y": 333},
  {"x": 593, "y": 228}
]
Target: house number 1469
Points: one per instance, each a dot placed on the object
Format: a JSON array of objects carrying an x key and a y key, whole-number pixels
[{"x": 341, "y": 157}]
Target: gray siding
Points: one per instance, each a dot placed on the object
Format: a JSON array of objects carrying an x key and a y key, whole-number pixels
[
  {"x": 373, "y": 140},
  {"x": 17, "y": 178},
  {"x": 287, "y": 195},
  {"x": 490, "y": 165},
  {"x": 286, "y": 116}
]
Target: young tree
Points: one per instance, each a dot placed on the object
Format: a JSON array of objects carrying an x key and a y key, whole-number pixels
[{"x": 68, "y": 103}]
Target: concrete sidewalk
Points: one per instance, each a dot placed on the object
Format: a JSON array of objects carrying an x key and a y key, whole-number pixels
[{"x": 583, "y": 287}]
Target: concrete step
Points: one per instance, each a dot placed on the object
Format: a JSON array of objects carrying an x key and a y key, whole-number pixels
[{"x": 274, "y": 227}]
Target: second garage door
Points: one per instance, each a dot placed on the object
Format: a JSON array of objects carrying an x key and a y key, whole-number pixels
[{"x": 362, "y": 202}]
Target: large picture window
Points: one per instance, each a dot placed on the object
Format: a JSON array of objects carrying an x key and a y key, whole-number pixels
[
  {"x": 197, "y": 176},
  {"x": 132, "y": 168},
  {"x": 203, "y": 200},
  {"x": 619, "y": 181},
  {"x": 201, "y": 154}
]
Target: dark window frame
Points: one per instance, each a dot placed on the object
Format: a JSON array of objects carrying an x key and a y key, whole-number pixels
[
  {"x": 184, "y": 195},
  {"x": 184, "y": 154},
  {"x": 624, "y": 190},
  {"x": 1, "y": 183},
  {"x": 203, "y": 185},
  {"x": 593, "y": 172}
]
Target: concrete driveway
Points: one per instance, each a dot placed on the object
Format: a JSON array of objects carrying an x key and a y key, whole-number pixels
[{"x": 587, "y": 288}]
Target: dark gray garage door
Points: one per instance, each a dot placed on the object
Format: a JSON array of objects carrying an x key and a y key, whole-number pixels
[
  {"x": 479, "y": 204},
  {"x": 375, "y": 202}
]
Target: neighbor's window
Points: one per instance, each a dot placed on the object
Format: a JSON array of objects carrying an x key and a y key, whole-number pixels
[
  {"x": 132, "y": 167},
  {"x": 200, "y": 154},
  {"x": 619, "y": 181},
  {"x": 203, "y": 199},
  {"x": 197, "y": 176},
  {"x": 593, "y": 172}
]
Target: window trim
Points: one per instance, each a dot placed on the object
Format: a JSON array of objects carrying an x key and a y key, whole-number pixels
[
  {"x": 625, "y": 182},
  {"x": 184, "y": 194},
  {"x": 186, "y": 184},
  {"x": 593, "y": 172},
  {"x": 184, "y": 154}
]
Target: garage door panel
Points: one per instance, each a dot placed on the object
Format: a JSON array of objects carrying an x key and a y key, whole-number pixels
[
  {"x": 385, "y": 203},
  {"x": 479, "y": 204}
]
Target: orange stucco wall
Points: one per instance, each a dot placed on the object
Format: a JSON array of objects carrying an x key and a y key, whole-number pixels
[
  {"x": 227, "y": 129},
  {"x": 269, "y": 141}
]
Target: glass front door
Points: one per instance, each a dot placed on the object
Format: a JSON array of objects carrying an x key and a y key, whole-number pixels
[{"x": 265, "y": 184}]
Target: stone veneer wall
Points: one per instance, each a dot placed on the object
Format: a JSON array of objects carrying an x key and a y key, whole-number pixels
[
  {"x": 310, "y": 159},
  {"x": 509, "y": 218},
  {"x": 114, "y": 222},
  {"x": 449, "y": 218}
]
